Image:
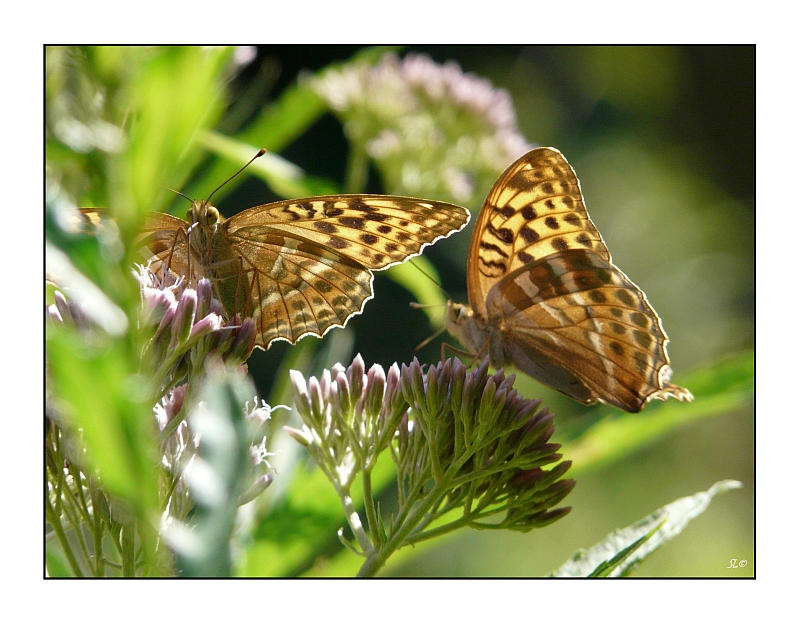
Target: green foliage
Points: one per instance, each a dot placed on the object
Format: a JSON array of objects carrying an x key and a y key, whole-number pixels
[
  {"x": 218, "y": 477},
  {"x": 623, "y": 550}
]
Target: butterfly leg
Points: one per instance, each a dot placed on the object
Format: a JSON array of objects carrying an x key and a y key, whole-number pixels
[
  {"x": 464, "y": 353},
  {"x": 172, "y": 248},
  {"x": 239, "y": 287},
  {"x": 249, "y": 293},
  {"x": 428, "y": 340},
  {"x": 254, "y": 292}
]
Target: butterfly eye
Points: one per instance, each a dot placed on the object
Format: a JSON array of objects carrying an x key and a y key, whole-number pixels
[{"x": 212, "y": 215}]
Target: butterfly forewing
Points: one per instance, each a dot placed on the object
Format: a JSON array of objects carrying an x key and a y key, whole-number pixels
[
  {"x": 534, "y": 210},
  {"x": 292, "y": 287},
  {"x": 545, "y": 297},
  {"x": 374, "y": 230},
  {"x": 164, "y": 241}
]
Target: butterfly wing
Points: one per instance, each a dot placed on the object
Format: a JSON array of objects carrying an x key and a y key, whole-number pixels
[
  {"x": 577, "y": 323},
  {"x": 541, "y": 279},
  {"x": 535, "y": 209},
  {"x": 162, "y": 241},
  {"x": 306, "y": 264}
]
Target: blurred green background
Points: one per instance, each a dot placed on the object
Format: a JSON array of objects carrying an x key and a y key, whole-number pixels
[{"x": 663, "y": 142}]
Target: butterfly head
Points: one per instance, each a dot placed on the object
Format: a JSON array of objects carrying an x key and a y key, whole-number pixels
[
  {"x": 456, "y": 321},
  {"x": 454, "y": 312},
  {"x": 203, "y": 215}
]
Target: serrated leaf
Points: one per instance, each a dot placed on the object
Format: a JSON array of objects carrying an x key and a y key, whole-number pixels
[{"x": 626, "y": 548}]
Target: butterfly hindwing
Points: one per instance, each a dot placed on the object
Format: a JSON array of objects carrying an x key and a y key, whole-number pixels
[{"x": 583, "y": 315}]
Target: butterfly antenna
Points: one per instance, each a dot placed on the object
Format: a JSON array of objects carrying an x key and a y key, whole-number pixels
[
  {"x": 415, "y": 305},
  {"x": 258, "y": 155},
  {"x": 436, "y": 283},
  {"x": 428, "y": 340},
  {"x": 177, "y": 192}
]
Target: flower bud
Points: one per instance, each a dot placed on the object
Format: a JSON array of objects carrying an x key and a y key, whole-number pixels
[
  {"x": 243, "y": 342},
  {"x": 63, "y": 307},
  {"x": 155, "y": 305},
  {"x": 355, "y": 375},
  {"x": 54, "y": 314},
  {"x": 316, "y": 399},
  {"x": 205, "y": 326},
  {"x": 184, "y": 317},
  {"x": 340, "y": 390},
  {"x": 254, "y": 490},
  {"x": 204, "y": 298},
  {"x": 302, "y": 401},
  {"x": 376, "y": 388}
]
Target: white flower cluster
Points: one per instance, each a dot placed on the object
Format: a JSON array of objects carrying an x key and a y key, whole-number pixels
[{"x": 432, "y": 129}]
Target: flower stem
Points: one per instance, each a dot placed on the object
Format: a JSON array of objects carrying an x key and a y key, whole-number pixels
[
  {"x": 357, "y": 167},
  {"x": 128, "y": 553},
  {"x": 369, "y": 506},
  {"x": 62, "y": 539},
  {"x": 408, "y": 518},
  {"x": 355, "y": 523}
]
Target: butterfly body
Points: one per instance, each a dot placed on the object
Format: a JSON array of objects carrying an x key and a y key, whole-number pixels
[
  {"x": 296, "y": 267},
  {"x": 545, "y": 297}
]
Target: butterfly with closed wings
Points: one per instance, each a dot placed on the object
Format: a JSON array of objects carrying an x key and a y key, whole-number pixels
[{"x": 545, "y": 297}]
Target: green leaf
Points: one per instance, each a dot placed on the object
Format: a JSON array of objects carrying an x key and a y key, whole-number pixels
[
  {"x": 605, "y": 568},
  {"x": 110, "y": 404},
  {"x": 420, "y": 277},
  {"x": 297, "y": 108},
  {"x": 216, "y": 479},
  {"x": 174, "y": 93},
  {"x": 622, "y": 550},
  {"x": 289, "y": 116}
]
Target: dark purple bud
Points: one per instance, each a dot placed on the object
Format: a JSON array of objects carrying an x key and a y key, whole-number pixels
[
  {"x": 184, "y": 317},
  {"x": 204, "y": 297},
  {"x": 375, "y": 390},
  {"x": 243, "y": 342}
]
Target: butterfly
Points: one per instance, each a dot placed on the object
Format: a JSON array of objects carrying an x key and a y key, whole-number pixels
[
  {"x": 298, "y": 267},
  {"x": 545, "y": 297}
]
